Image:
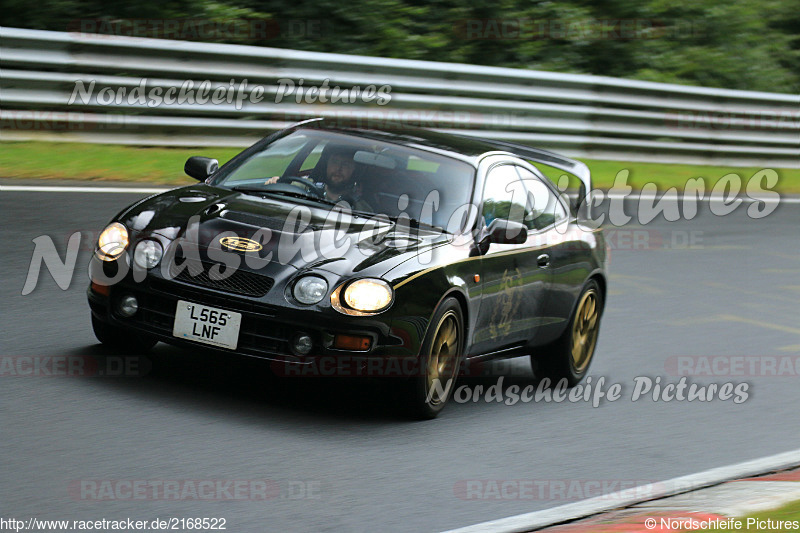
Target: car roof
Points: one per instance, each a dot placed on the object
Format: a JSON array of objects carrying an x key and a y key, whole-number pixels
[
  {"x": 462, "y": 147},
  {"x": 455, "y": 146}
]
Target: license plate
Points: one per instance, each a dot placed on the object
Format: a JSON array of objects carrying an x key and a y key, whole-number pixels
[{"x": 208, "y": 325}]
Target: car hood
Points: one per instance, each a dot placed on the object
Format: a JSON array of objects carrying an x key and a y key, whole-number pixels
[{"x": 289, "y": 234}]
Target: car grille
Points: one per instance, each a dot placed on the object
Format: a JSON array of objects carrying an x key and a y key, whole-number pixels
[
  {"x": 260, "y": 333},
  {"x": 238, "y": 282}
]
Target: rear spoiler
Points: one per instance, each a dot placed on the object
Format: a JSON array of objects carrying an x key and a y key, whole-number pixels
[{"x": 545, "y": 157}]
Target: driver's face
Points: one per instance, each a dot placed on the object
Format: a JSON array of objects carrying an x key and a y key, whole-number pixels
[{"x": 340, "y": 169}]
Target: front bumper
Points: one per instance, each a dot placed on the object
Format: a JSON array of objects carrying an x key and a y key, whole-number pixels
[{"x": 266, "y": 330}]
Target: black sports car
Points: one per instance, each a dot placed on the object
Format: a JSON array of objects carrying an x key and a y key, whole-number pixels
[{"x": 327, "y": 242}]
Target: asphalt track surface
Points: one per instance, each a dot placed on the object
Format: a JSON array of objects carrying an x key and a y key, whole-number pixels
[{"x": 199, "y": 416}]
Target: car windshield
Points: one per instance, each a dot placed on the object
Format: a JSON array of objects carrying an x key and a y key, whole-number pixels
[{"x": 372, "y": 176}]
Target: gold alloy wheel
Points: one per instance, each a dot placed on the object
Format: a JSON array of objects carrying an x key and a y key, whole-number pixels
[
  {"x": 444, "y": 356},
  {"x": 584, "y": 330}
]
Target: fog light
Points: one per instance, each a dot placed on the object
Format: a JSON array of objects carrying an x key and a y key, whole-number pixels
[
  {"x": 302, "y": 344},
  {"x": 128, "y": 306}
]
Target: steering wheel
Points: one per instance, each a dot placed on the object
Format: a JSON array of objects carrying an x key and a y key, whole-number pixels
[{"x": 307, "y": 183}]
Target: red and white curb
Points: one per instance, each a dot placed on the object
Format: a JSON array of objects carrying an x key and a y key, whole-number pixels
[
  {"x": 729, "y": 491},
  {"x": 732, "y": 499}
]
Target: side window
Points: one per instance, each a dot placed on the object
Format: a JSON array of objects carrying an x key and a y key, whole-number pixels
[
  {"x": 503, "y": 195},
  {"x": 542, "y": 208}
]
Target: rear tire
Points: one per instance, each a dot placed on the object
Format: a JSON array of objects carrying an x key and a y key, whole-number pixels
[
  {"x": 121, "y": 340},
  {"x": 439, "y": 359},
  {"x": 569, "y": 356}
]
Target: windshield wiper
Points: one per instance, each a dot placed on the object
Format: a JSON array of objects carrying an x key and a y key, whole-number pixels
[
  {"x": 414, "y": 223},
  {"x": 293, "y": 194},
  {"x": 252, "y": 190}
]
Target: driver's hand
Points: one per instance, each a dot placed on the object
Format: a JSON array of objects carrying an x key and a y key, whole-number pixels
[{"x": 273, "y": 179}]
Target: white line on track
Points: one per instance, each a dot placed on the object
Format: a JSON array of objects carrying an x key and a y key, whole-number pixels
[
  {"x": 154, "y": 190},
  {"x": 626, "y": 498},
  {"x": 672, "y": 197},
  {"x": 43, "y": 188}
]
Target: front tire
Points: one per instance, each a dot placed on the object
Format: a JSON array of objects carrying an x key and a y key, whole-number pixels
[
  {"x": 439, "y": 361},
  {"x": 569, "y": 356},
  {"x": 121, "y": 340}
]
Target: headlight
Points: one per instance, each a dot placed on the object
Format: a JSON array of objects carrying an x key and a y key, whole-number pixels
[
  {"x": 112, "y": 242},
  {"x": 147, "y": 253},
  {"x": 310, "y": 289},
  {"x": 368, "y": 295}
]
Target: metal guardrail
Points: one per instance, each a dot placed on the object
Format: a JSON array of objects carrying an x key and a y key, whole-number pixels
[{"x": 579, "y": 115}]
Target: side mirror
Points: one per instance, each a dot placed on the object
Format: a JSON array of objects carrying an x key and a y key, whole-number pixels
[
  {"x": 200, "y": 168},
  {"x": 502, "y": 231}
]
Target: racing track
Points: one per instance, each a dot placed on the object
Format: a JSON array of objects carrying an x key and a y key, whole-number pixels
[{"x": 199, "y": 416}]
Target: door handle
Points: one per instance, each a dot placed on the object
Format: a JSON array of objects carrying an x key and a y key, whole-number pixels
[{"x": 543, "y": 260}]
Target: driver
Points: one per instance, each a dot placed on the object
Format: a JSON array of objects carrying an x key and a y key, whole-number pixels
[{"x": 339, "y": 181}]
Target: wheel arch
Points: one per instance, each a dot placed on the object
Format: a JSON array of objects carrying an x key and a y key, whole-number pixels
[
  {"x": 460, "y": 297},
  {"x": 600, "y": 278}
]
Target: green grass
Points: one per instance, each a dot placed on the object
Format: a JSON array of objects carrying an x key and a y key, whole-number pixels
[
  {"x": 790, "y": 512},
  {"x": 73, "y": 161},
  {"x": 666, "y": 175}
]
